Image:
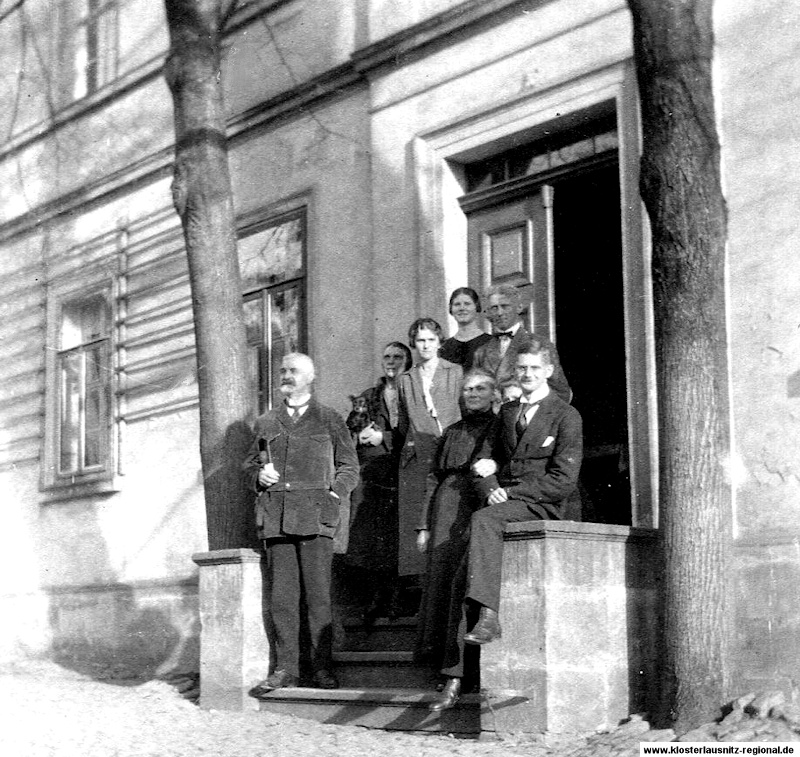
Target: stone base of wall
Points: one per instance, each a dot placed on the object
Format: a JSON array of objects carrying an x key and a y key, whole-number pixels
[
  {"x": 767, "y": 601},
  {"x": 579, "y": 611},
  {"x": 125, "y": 630},
  {"x": 112, "y": 630}
]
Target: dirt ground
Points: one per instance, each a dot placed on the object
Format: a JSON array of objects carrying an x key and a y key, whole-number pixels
[{"x": 50, "y": 711}]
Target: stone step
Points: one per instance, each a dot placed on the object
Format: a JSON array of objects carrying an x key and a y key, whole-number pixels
[
  {"x": 384, "y": 634},
  {"x": 380, "y": 669},
  {"x": 400, "y": 709}
]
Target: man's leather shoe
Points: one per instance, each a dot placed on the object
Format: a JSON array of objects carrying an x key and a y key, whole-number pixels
[
  {"x": 486, "y": 629},
  {"x": 449, "y": 696},
  {"x": 324, "y": 679},
  {"x": 280, "y": 679}
]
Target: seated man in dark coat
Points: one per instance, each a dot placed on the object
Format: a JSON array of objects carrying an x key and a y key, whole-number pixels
[
  {"x": 304, "y": 466},
  {"x": 536, "y": 456}
]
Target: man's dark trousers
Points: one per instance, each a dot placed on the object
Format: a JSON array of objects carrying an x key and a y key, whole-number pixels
[
  {"x": 299, "y": 574},
  {"x": 486, "y": 547}
]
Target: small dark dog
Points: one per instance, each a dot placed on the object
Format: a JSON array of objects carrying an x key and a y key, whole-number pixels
[{"x": 359, "y": 417}]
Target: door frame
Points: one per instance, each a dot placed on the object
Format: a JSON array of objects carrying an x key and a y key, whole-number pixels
[{"x": 438, "y": 157}]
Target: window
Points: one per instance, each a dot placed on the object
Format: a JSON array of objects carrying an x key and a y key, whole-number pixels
[
  {"x": 80, "y": 436},
  {"x": 272, "y": 262},
  {"x": 84, "y": 373},
  {"x": 88, "y": 45}
]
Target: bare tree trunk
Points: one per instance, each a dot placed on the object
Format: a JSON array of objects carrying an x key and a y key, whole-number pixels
[
  {"x": 680, "y": 184},
  {"x": 204, "y": 200}
]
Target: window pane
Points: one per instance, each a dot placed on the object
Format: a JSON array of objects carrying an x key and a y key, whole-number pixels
[
  {"x": 255, "y": 377},
  {"x": 84, "y": 321},
  {"x": 95, "y": 45},
  {"x": 96, "y": 405},
  {"x": 256, "y": 352},
  {"x": 272, "y": 255},
  {"x": 285, "y": 323},
  {"x": 106, "y": 43},
  {"x": 70, "y": 380},
  {"x": 80, "y": 62},
  {"x": 254, "y": 319}
]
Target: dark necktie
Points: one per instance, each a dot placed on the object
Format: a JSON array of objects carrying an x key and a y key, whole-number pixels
[
  {"x": 522, "y": 417},
  {"x": 504, "y": 340},
  {"x": 294, "y": 411}
]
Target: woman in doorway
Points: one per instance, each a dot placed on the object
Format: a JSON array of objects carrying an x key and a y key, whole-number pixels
[
  {"x": 428, "y": 404},
  {"x": 373, "y": 524},
  {"x": 443, "y": 534},
  {"x": 465, "y": 307}
]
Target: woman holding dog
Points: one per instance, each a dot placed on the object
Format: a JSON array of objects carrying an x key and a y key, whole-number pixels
[
  {"x": 428, "y": 404},
  {"x": 373, "y": 524}
]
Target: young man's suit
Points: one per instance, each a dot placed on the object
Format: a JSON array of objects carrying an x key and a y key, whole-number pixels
[{"x": 539, "y": 472}]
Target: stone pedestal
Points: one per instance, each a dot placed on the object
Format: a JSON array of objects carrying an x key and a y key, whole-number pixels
[
  {"x": 579, "y": 610},
  {"x": 234, "y": 650}
]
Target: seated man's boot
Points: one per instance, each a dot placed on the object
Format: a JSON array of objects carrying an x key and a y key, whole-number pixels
[
  {"x": 448, "y": 697},
  {"x": 486, "y": 629}
]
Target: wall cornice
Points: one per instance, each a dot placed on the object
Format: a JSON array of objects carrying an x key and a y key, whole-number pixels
[
  {"x": 337, "y": 82},
  {"x": 412, "y": 41}
]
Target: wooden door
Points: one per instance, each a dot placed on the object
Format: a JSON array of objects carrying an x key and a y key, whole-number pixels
[{"x": 512, "y": 243}]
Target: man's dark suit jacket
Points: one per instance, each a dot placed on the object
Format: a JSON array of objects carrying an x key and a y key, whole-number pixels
[
  {"x": 541, "y": 467},
  {"x": 316, "y": 459},
  {"x": 487, "y": 358}
]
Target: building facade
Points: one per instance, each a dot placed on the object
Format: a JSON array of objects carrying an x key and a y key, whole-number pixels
[{"x": 382, "y": 154}]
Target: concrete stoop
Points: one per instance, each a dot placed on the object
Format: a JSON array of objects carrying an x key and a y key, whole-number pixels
[
  {"x": 394, "y": 709},
  {"x": 580, "y": 610}
]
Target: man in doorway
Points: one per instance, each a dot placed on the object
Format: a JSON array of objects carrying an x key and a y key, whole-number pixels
[
  {"x": 303, "y": 465},
  {"x": 497, "y": 357},
  {"x": 536, "y": 459}
]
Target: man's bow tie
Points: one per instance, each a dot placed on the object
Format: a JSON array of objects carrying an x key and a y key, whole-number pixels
[{"x": 501, "y": 334}]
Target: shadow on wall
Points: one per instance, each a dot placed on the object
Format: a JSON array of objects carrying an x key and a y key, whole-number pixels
[
  {"x": 111, "y": 630},
  {"x": 124, "y": 633}
]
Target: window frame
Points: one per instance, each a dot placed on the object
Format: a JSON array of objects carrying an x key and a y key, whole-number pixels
[
  {"x": 84, "y": 479},
  {"x": 438, "y": 159},
  {"x": 86, "y": 25},
  {"x": 102, "y": 64},
  {"x": 298, "y": 281}
]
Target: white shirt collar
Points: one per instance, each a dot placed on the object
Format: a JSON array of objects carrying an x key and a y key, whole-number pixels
[
  {"x": 535, "y": 396},
  {"x": 297, "y": 401},
  {"x": 512, "y": 331}
]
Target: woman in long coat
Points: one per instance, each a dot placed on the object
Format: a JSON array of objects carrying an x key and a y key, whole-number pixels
[
  {"x": 373, "y": 525},
  {"x": 443, "y": 531},
  {"x": 428, "y": 404}
]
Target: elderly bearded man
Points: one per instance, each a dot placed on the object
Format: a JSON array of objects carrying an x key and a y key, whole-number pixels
[{"x": 303, "y": 465}]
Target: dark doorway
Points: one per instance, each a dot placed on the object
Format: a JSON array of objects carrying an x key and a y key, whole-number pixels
[
  {"x": 556, "y": 234},
  {"x": 590, "y": 331}
]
